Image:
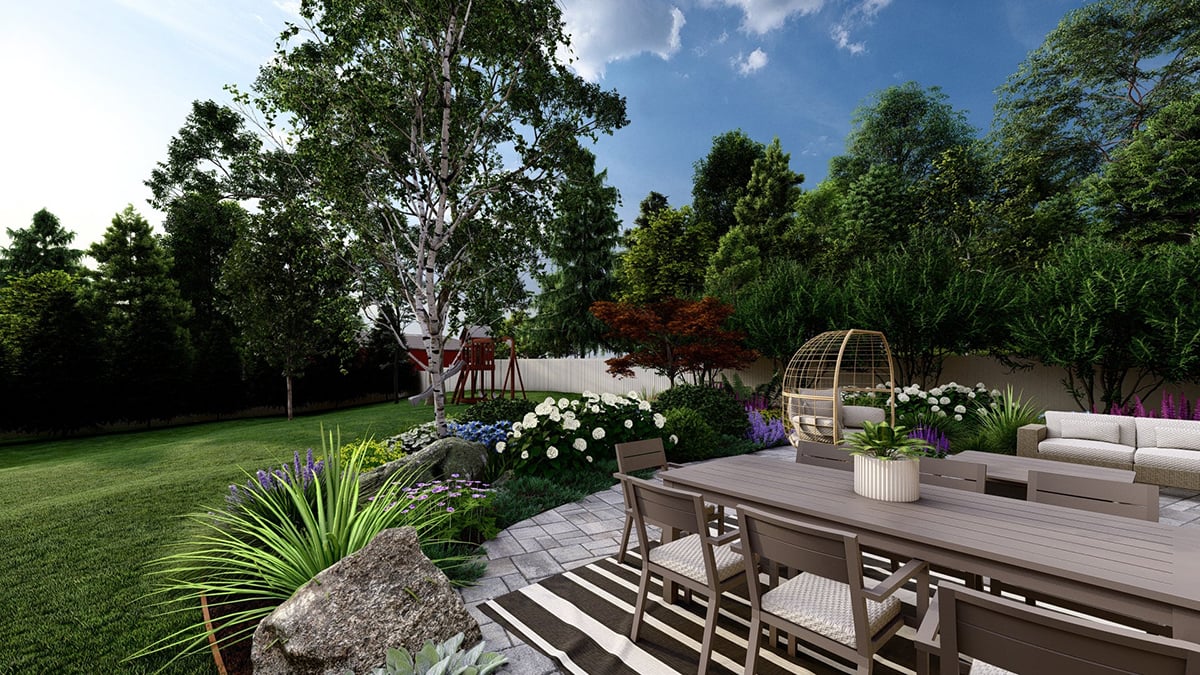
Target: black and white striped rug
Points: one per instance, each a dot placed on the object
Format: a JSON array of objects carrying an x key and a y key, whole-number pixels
[{"x": 582, "y": 618}]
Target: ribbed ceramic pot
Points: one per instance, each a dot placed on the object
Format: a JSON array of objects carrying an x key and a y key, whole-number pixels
[{"x": 893, "y": 480}]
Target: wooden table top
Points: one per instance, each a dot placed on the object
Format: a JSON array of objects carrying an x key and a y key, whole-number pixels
[
  {"x": 1013, "y": 469},
  {"x": 1143, "y": 569}
]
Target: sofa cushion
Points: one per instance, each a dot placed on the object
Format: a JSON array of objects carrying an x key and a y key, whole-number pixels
[
  {"x": 1128, "y": 427},
  {"x": 1177, "y": 437},
  {"x": 1168, "y": 459},
  {"x": 1089, "y": 428},
  {"x": 853, "y": 416},
  {"x": 1087, "y": 452}
]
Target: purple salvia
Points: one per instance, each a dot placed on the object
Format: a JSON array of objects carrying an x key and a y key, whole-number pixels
[{"x": 1138, "y": 409}]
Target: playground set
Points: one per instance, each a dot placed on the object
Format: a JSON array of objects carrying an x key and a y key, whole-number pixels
[{"x": 474, "y": 362}]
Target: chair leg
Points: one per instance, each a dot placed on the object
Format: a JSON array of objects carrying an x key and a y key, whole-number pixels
[
  {"x": 720, "y": 519},
  {"x": 710, "y": 631},
  {"x": 753, "y": 643},
  {"x": 643, "y": 590},
  {"x": 625, "y": 540}
]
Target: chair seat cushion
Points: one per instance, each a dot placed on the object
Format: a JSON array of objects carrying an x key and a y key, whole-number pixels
[
  {"x": 1087, "y": 451},
  {"x": 1169, "y": 459},
  {"x": 823, "y": 606},
  {"x": 685, "y": 556},
  {"x": 982, "y": 668}
]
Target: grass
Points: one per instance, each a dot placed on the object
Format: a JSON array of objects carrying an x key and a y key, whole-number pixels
[{"x": 82, "y": 517}]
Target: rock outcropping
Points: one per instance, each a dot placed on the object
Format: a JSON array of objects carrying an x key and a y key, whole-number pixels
[
  {"x": 440, "y": 459},
  {"x": 386, "y": 595}
]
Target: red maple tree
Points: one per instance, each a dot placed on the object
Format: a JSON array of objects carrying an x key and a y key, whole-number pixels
[{"x": 674, "y": 337}]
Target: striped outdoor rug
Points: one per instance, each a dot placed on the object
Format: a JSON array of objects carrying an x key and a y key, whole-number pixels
[{"x": 582, "y": 618}]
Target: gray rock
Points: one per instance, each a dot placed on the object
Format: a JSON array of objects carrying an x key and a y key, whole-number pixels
[
  {"x": 388, "y": 594},
  {"x": 440, "y": 459}
]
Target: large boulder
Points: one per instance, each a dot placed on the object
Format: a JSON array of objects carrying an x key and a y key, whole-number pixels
[
  {"x": 388, "y": 594},
  {"x": 440, "y": 459}
]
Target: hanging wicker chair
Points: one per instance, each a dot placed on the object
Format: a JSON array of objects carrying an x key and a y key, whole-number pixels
[{"x": 824, "y": 370}]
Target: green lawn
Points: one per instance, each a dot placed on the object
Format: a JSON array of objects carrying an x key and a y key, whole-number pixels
[{"x": 81, "y": 518}]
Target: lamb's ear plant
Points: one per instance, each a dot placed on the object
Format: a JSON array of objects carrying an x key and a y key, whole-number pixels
[
  {"x": 886, "y": 442},
  {"x": 445, "y": 659},
  {"x": 249, "y": 556}
]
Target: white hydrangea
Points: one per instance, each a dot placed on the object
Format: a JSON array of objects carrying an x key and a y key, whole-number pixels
[
  {"x": 564, "y": 402},
  {"x": 659, "y": 420},
  {"x": 980, "y": 386},
  {"x": 609, "y": 399},
  {"x": 945, "y": 400},
  {"x": 632, "y": 394},
  {"x": 941, "y": 413},
  {"x": 970, "y": 394},
  {"x": 643, "y": 405},
  {"x": 551, "y": 452},
  {"x": 935, "y": 408},
  {"x": 517, "y": 426},
  {"x": 589, "y": 458},
  {"x": 674, "y": 439},
  {"x": 524, "y": 454},
  {"x": 995, "y": 392},
  {"x": 580, "y": 444},
  {"x": 555, "y": 416},
  {"x": 628, "y": 424},
  {"x": 597, "y": 433},
  {"x": 594, "y": 408},
  {"x": 516, "y": 435},
  {"x": 960, "y": 408},
  {"x": 902, "y": 397},
  {"x": 544, "y": 408},
  {"x": 501, "y": 446},
  {"x": 936, "y": 391},
  {"x": 529, "y": 421},
  {"x": 958, "y": 417},
  {"x": 570, "y": 424}
]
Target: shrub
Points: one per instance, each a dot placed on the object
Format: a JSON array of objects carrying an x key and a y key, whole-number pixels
[
  {"x": 447, "y": 658},
  {"x": 492, "y": 410},
  {"x": 997, "y": 426},
  {"x": 374, "y": 453},
  {"x": 696, "y": 438},
  {"x": 569, "y": 435},
  {"x": 723, "y": 413},
  {"x": 253, "y": 555},
  {"x": 488, "y": 434}
]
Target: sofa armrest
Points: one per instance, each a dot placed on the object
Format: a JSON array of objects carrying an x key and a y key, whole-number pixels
[{"x": 1028, "y": 438}]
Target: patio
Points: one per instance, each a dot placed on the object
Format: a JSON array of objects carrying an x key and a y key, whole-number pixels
[{"x": 583, "y": 532}]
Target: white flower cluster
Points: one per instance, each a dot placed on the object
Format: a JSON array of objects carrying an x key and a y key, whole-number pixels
[{"x": 575, "y": 423}]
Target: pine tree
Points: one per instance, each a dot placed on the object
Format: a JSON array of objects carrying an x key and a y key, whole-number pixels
[
  {"x": 147, "y": 351},
  {"x": 42, "y": 247},
  {"x": 580, "y": 243}
]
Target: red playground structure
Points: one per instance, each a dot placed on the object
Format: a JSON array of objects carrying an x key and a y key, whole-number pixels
[{"x": 478, "y": 357}]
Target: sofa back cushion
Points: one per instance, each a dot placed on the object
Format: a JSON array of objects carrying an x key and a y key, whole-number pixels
[
  {"x": 1157, "y": 433},
  {"x": 853, "y": 416},
  {"x": 1118, "y": 429}
]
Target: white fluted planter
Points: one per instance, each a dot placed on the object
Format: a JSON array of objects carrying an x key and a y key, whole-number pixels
[{"x": 894, "y": 480}]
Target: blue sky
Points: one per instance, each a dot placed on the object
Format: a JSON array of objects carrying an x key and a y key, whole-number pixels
[{"x": 96, "y": 88}]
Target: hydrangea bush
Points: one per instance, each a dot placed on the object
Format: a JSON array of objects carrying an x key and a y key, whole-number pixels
[
  {"x": 949, "y": 407},
  {"x": 568, "y": 435},
  {"x": 480, "y": 432}
]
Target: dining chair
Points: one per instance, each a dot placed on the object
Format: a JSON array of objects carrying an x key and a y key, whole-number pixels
[
  {"x": 1002, "y": 636},
  {"x": 825, "y": 602},
  {"x": 824, "y": 454},
  {"x": 639, "y": 456},
  {"x": 698, "y": 562},
  {"x": 1131, "y": 500},
  {"x": 951, "y": 473}
]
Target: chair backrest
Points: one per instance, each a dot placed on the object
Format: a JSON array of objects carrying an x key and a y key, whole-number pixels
[
  {"x": 954, "y": 473},
  {"x": 1025, "y": 639},
  {"x": 823, "y": 454},
  {"x": 663, "y": 506},
  {"x": 638, "y": 455},
  {"x": 833, "y": 554},
  {"x": 1132, "y": 500}
]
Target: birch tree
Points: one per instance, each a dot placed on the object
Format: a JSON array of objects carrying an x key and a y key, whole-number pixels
[{"x": 435, "y": 127}]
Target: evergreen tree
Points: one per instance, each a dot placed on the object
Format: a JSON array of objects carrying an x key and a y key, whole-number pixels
[
  {"x": 42, "y": 247},
  {"x": 767, "y": 207},
  {"x": 146, "y": 349},
  {"x": 580, "y": 242},
  {"x": 720, "y": 179},
  {"x": 666, "y": 258}
]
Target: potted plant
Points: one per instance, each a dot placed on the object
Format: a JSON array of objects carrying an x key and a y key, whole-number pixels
[{"x": 886, "y": 462}]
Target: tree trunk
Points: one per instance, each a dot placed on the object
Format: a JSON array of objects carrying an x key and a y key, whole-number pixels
[{"x": 288, "y": 377}]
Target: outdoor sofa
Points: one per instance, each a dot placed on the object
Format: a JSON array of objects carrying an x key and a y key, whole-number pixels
[{"x": 1160, "y": 451}]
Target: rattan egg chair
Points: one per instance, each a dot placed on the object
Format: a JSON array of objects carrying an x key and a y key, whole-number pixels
[{"x": 825, "y": 369}]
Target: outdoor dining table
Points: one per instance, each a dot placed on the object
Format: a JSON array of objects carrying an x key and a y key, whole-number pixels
[{"x": 1143, "y": 570}]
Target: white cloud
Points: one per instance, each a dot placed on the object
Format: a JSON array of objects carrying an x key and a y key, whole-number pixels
[
  {"x": 870, "y": 8},
  {"x": 603, "y": 32},
  {"x": 764, "y": 16},
  {"x": 751, "y": 63},
  {"x": 841, "y": 37}
]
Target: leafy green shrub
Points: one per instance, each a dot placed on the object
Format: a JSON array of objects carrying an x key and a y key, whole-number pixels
[
  {"x": 697, "y": 439},
  {"x": 526, "y": 496},
  {"x": 723, "y": 413},
  {"x": 374, "y": 453},
  {"x": 492, "y": 410},
  {"x": 567, "y": 436},
  {"x": 997, "y": 426},
  {"x": 447, "y": 658},
  {"x": 253, "y": 555}
]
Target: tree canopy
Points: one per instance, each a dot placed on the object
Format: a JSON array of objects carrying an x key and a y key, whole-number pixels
[{"x": 44, "y": 246}]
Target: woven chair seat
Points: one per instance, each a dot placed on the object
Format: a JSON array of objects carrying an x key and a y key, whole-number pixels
[
  {"x": 1087, "y": 451},
  {"x": 823, "y": 606},
  {"x": 982, "y": 668},
  {"x": 685, "y": 556}
]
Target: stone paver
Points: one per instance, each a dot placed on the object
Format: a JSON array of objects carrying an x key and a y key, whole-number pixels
[{"x": 574, "y": 535}]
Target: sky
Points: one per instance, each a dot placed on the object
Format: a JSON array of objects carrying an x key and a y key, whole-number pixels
[{"x": 95, "y": 89}]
